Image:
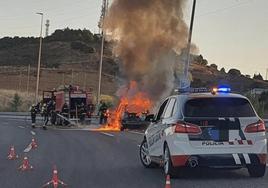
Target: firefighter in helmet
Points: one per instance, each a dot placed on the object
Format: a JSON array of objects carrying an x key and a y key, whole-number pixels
[
  {"x": 65, "y": 112},
  {"x": 103, "y": 112},
  {"x": 33, "y": 111},
  {"x": 46, "y": 115}
]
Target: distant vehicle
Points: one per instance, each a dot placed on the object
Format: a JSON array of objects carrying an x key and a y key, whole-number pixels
[{"x": 215, "y": 129}]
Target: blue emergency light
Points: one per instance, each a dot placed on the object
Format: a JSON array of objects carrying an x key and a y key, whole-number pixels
[
  {"x": 224, "y": 89},
  {"x": 221, "y": 89}
]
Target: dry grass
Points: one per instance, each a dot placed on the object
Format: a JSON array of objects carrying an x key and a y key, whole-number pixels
[{"x": 6, "y": 96}]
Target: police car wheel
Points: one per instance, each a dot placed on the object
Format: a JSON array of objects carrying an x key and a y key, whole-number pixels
[
  {"x": 144, "y": 155},
  {"x": 168, "y": 166},
  {"x": 256, "y": 170}
]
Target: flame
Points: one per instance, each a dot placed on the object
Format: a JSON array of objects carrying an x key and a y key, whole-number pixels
[{"x": 132, "y": 101}]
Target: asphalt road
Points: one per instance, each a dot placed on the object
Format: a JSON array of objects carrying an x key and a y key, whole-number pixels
[{"x": 92, "y": 159}]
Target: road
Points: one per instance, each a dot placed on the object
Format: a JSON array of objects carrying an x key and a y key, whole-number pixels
[{"x": 94, "y": 159}]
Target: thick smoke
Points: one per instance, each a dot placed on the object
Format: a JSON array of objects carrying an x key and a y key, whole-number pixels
[{"x": 149, "y": 34}]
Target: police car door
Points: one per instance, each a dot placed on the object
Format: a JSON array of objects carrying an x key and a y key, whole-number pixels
[
  {"x": 153, "y": 135},
  {"x": 167, "y": 120}
]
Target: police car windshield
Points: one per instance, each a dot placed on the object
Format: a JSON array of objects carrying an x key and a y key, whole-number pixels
[{"x": 218, "y": 107}]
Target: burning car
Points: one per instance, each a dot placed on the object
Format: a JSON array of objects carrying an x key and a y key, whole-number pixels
[{"x": 134, "y": 120}]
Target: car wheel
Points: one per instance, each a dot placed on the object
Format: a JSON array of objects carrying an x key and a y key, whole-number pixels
[
  {"x": 256, "y": 170},
  {"x": 168, "y": 166},
  {"x": 144, "y": 155}
]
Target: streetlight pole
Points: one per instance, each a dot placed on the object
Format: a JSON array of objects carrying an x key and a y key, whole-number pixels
[
  {"x": 39, "y": 59},
  {"x": 187, "y": 63},
  {"x": 102, "y": 49},
  {"x": 28, "y": 78}
]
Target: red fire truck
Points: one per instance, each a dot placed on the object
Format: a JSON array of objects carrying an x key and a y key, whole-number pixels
[{"x": 70, "y": 101}]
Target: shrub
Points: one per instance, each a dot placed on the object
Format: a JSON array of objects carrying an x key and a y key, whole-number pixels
[
  {"x": 15, "y": 103},
  {"x": 214, "y": 66},
  {"x": 234, "y": 72},
  {"x": 83, "y": 47},
  {"x": 258, "y": 76},
  {"x": 223, "y": 70}
]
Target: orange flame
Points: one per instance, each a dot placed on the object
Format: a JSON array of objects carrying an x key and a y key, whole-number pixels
[{"x": 132, "y": 101}]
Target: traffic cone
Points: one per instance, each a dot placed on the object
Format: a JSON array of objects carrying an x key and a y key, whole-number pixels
[
  {"x": 33, "y": 144},
  {"x": 168, "y": 182},
  {"x": 25, "y": 165},
  {"x": 55, "y": 180},
  {"x": 12, "y": 154}
]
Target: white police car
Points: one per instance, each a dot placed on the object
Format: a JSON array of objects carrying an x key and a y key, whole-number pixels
[{"x": 208, "y": 129}]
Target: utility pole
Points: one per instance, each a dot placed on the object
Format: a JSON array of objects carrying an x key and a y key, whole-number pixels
[
  {"x": 104, "y": 9},
  {"x": 28, "y": 78},
  {"x": 20, "y": 82},
  {"x": 85, "y": 78},
  {"x": 39, "y": 59},
  {"x": 63, "y": 78},
  {"x": 72, "y": 79},
  {"x": 186, "y": 82}
]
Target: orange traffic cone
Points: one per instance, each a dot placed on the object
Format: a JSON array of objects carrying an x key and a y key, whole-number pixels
[
  {"x": 12, "y": 154},
  {"x": 25, "y": 165},
  {"x": 168, "y": 182},
  {"x": 33, "y": 143},
  {"x": 55, "y": 180}
]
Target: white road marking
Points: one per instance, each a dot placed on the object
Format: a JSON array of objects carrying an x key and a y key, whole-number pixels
[
  {"x": 107, "y": 134},
  {"x": 29, "y": 147},
  {"x": 135, "y": 132},
  {"x": 33, "y": 133},
  {"x": 139, "y": 145},
  {"x": 21, "y": 127}
]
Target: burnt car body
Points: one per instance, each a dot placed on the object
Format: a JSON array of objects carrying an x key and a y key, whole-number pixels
[{"x": 132, "y": 120}]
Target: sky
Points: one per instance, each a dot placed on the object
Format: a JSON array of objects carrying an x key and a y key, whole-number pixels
[{"x": 229, "y": 33}]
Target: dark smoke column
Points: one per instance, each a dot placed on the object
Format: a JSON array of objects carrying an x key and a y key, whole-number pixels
[{"x": 149, "y": 34}]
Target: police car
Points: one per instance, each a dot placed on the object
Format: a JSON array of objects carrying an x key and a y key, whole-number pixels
[{"x": 216, "y": 129}]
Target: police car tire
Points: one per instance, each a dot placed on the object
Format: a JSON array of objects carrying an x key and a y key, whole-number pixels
[
  {"x": 171, "y": 170},
  {"x": 256, "y": 171},
  {"x": 152, "y": 164}
]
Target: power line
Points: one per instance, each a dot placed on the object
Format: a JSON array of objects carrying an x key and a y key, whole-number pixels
[{"x": 225, "y": 8}]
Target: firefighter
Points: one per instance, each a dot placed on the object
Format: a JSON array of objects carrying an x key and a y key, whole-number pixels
[
  {"x": 46, "y": 115},
  {"x": 90, "y": 109},
  {"x": 48, "y": 111},
  {"x": 103, "y": 110},
  {"x": 65, "y": 112},
  {"x": 33, "y": 110},
  {"x": 44, "y": 106},
  {"x": 82, "y": 112},
  {"x": 53, "y": 113}
]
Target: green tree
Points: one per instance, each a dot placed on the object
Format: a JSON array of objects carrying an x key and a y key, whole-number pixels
[
  {"x": 214, "y": 66},
  {"x": 15, "y": 103},
  {"x": 258, "y": 76}
]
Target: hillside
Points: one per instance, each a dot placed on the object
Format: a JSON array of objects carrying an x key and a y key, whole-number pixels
[{"x": 72, "y": 56}]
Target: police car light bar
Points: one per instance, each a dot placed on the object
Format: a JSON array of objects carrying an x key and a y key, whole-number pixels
[
  {"x": 221, "y": 90},
  {"x": 224, "y": 89},
  {"x": 192, "y": 90}
]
